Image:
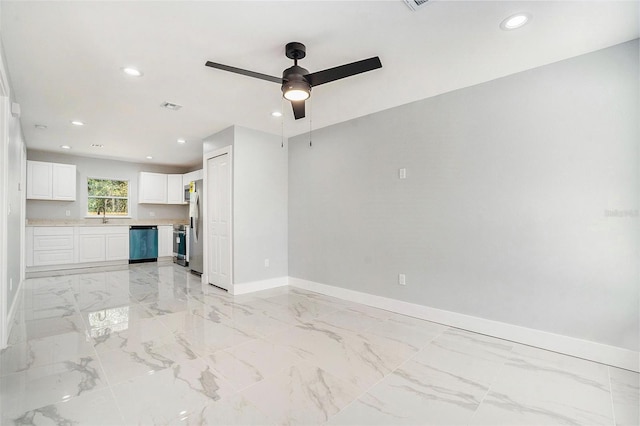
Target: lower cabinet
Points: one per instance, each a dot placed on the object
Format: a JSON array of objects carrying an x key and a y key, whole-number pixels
[
  {"x": 102, "y": 243},
  {"x": 91, "y": 248},
  {"x": 50, "y": 245},
  {"x": 165, "y": 240},
  {"x": 117, "y": 246},
  {"x": 67, "y": 245}
]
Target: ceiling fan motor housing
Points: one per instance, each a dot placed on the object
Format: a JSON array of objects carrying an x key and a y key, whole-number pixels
[{"x": 293, "y": 79}]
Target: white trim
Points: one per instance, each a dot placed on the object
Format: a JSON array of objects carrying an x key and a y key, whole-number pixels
[
  {"x": 5, "y": 108},
  {"x": 86, "y": 266},
  {"x": 592, "y": 351},
  {"x": 23, "y": 212},
  {"x": 4, "y": 174},
  {"x": 227, "y": 150},
  {"x": 252, "y": 286},
  {"x": 14, "y": 308}
]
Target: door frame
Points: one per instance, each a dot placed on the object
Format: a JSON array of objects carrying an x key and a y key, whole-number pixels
[
  {"x": 5, "y": 110},
  {"x": 227, "y": 150}
]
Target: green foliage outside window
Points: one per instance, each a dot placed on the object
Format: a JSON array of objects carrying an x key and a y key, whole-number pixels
[{"x": 113, "y": 195}]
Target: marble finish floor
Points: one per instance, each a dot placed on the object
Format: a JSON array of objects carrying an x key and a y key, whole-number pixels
[{"x": 149, "y": 345}]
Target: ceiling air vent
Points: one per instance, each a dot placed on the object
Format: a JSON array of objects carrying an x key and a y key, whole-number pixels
[
  {"x": 416, "y": 4},
  {"x": 169, "y": 105}
]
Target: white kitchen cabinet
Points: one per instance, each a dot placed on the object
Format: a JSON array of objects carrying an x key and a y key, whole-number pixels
[
  {"x": 63, "y": 182},
  {"x": 160, "y": 188},
  {"x": 165, "y": 240},
  {"x": 49, "y": 245},
  {"x": 117, "y": 246},
  {"x": 68, "y": 245},
  {"x": 152, "y": 188},
  {"x": 102, "y": 243},
  {"x": 175, "y": 189},
  {"x": 39, "y": 180},
  {"x": 91, "y": 248},
  {"x": 51, "y": 181},
  {"x": 191, "y": 176}
]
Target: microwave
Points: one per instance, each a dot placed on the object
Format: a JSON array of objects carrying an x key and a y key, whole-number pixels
[{"x": 187, "y": 193}]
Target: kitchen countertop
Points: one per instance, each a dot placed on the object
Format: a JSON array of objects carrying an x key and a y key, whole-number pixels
[{"x": 98, "y": 222}]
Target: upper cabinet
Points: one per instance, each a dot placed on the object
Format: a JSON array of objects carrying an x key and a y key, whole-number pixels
[
  {"x": 175, "y": 189},
  {"x": 191, "y": 176},
  {"x": 51, "y": 181},
  {"x": 160, "y": 188},
  {"x": 152, "y": 188}
]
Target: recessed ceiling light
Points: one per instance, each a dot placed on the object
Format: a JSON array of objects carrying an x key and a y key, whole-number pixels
[
  {"x": 276, "y": 114},
  {"x": 65, "y": 147},
  {"x": 132, "y": 71},
  {"x": 515, "y": 21},
  {"x": 40, "y": 126},
  {"x": 97, "y": 145},
  {"x": 149, "y": 157},
  {"x": 181, "y": 141},
  {"x": 77, "y": 123}
]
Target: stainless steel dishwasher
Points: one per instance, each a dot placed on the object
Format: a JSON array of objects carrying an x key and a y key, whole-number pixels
[{"x": 143, "y": 244}]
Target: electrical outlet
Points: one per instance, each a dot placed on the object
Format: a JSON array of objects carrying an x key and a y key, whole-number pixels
[
  {"x": 67, "y": 213},
  {"x": 266, "y": 263},
  {"x": 152, "y": 214},
  {"x": 402, "y": 173},
  {"x": 402, "y": 279}
]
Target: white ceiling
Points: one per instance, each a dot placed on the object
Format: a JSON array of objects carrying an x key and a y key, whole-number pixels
[{"x": 64, "y": 60}]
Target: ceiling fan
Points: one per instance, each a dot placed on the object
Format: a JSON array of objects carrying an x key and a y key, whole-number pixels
[{"x": 297, "y": 82}]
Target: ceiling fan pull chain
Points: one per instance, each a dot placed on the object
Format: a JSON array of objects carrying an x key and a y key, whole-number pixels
[
  {"x": 282, "y": 123},
  {"x": 310, "y": 117}
]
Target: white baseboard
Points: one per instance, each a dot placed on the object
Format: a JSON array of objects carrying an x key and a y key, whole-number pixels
[
  {"x": 252, "y": 286},
  {"x": 39, "y": 271},
  {"x": 592, "y": 351}
]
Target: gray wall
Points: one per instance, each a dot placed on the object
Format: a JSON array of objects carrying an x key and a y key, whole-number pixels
[
  {"x": 102, "y": 168},
  {"x": 506, "y": 210},
  {"x": 16, "y": 157},
  {"x": 260, "y": 173},
  {"x": 219, "y": 140}
]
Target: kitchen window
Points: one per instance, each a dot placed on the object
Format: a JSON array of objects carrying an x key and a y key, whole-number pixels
[{"x": 110, "y": 194}]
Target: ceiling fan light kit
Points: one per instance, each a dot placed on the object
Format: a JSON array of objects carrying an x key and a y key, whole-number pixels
[
  {"x": 296, "y": 91},
  {"x": 296, "y": 82}
]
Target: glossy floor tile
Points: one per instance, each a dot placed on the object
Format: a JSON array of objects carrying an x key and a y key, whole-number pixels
[{"x": 148, "y": 344}]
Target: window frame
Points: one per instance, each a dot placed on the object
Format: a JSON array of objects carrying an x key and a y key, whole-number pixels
[{"x": 88, "y": 197}]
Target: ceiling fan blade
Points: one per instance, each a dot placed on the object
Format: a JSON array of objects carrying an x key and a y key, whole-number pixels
[
  {"x": 298, "y": 109},
  {"x": 347, "y": 70},
  {"x": 244, "y": 72}
]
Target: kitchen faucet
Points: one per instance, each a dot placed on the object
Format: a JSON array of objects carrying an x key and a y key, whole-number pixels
[{"x": 104, "y": 214}]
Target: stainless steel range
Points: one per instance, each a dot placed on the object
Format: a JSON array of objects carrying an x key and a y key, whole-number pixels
[{"x": 180, "y": 244}]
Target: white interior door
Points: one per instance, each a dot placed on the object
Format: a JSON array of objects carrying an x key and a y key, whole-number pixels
[{"x": 219, "y": 220}]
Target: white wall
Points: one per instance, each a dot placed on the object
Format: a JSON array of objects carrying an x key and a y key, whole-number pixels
[
  {"x": 15, "y": 198},
  {"x": 260, "y": 177},
  {"x": 102, "y": 168},
  {"x": 12, "y": 160},
  {"x": 504, "y": 212}
]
